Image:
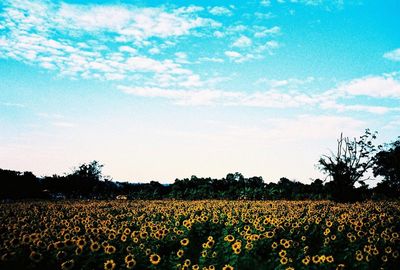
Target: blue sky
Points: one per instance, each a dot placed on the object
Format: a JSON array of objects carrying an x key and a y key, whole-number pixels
[{"x": 157, "y": 90}]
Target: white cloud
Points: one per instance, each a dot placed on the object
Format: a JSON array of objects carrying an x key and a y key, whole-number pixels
[
  {"x": 220, "y": 11},
  {"x": 63, "y": 124},
  {"x": 192, "y": 81},
  {"x": 218, "y": 34},
  {"x": 180, "y": 97},
  {"x": 268, "y": 99},
  {"x": 154, "y": 50},
  {"x": 291, "y": 82},
  {"x": 236, "y": 28},
  {"x": 47, "y": 34},
  {"x": 393, "y": 55},
  {"x": 394, "y": 124},
  {"x": 130, "y": 23},
  {"x": 268, "y": 32},
  {"x": 273, "y": 44},
  {"x": 265, "y": 3},
  {"x": 358, "y": 108},
  {"x": 232, "y": 54},
  {"x": 128, "y": 49},
  {"x": 385, "y": 86},
  {"x": 238, "y": 57},
  {"x": 264, "y": 16},
  {"x": 181, "y": 58},
  {"x": 12, "y": 104},
  {"x": 281, "y": 94},
  {"x": 211, "y": 59},
  {"x": 242, "y": 41},
  {"x": 309, "y": 127}
]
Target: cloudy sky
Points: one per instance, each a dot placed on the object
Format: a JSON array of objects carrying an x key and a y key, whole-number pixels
[{"x": 157, "y": 90}]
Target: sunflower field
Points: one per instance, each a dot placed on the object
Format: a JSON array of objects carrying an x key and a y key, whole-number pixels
[{"x": 207, "y": 234}]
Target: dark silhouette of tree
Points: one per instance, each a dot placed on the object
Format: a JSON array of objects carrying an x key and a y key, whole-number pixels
[
  {"x": 387, "y": 165},
  {"x": 17, "y": 185},
  {"x": 317, "y": 190},
  {"x": 348, "y": 165},
  {"x": 85, "y": 179}
]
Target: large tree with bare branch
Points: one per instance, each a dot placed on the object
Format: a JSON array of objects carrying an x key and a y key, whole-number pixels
[{"x": 348, "y": 166}]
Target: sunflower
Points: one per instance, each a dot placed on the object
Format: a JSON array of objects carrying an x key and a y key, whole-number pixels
[
  {"x": 184, "y": 242},
  {"x": 359, "y": 257},
  {"x": 81, "y": 242},
  {"x": 59, "y": 245},
  {"x": 282, "y": 253},
  {"x": 306, "y": 260},
  {"x": 249, "y": 246},
  {"x": 35, "y": 256},
  {"x": 340, "y": 266},
  {"x": 155, "y": 259},
  {"x": 187, "y": 263},
  {"x": 227, "y": 267},
  {"x": 129, "y": 257},
  {"x": 210, "y": 243},
  {"x": 180, "y": 253},
  {"x": 94, "y": 246},
  {"x": 110, "y": 249},
  {"x": 61, "y": 255},
  {"x": 315, "y": 259},
  {"x": 68, "y": 265},
  {"x": 78, "y": 250},
  {"x": 130, "y": 264},
  {"x": 229, "y": 238},
  {"x": 109, "y": 265}
]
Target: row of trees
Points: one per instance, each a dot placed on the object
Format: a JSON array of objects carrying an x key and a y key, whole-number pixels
[{"x": 344, "y": 169}]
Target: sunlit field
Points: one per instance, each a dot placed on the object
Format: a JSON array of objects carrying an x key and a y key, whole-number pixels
[{"x": 199, "y": 235}]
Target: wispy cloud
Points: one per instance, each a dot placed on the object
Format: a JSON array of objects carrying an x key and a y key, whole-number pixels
[
  {"x": 220, "y": 11},
  {"x": 63, "y": 124},
  {"x": 287, "y": 83},
  {"x": 242, "y": 41},
  {"x": 283, "y": 94},
  {"x": 264, "y": 32},
  {"x": 11, "y": 104},
  {"x": 269, "y": 99},
  {"x": 393, "y": 55}
]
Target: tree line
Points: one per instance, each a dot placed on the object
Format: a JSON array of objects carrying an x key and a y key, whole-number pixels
[{"x": 345, "y": 170}]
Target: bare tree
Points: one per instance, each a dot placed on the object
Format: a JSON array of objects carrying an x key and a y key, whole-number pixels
[{"x": 353, "y": 158}]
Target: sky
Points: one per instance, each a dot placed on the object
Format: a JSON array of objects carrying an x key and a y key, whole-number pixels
[{"x": 158, "y": 90}]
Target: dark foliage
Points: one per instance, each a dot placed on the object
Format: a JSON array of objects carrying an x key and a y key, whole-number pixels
[
  {"x": 347, "y": 167},
  {"x": 387, "y": 165}
]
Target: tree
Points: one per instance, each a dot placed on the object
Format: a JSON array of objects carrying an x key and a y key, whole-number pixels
[
  {"x": 85, "y": 179},
  {"x": 387, "y": 164},
  {"x": 90, "y": 171},
  {"x": 349, "y": 164}
]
